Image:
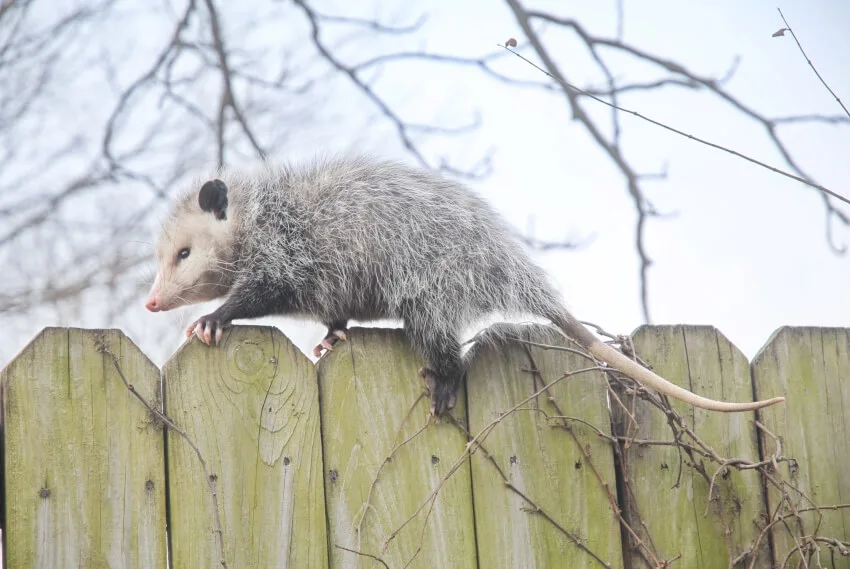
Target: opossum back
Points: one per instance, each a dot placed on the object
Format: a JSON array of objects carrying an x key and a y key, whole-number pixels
[
  {"x": 419, "y": 228},
  {"x": 384, "y": 208},
  {"x": 406, "y": 232}
]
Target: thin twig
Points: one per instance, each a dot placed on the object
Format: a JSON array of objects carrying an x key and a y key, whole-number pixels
[
  {"x": 103, "y": 347},
  {"x": 367, "y": 502},
  {"x": 369, "y": 555},
  {"x": 681, "y": 133},
  {"x": 809, "y": 61}
]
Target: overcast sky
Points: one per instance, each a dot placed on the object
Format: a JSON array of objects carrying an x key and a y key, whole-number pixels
[{"x": 743, "y": 249}]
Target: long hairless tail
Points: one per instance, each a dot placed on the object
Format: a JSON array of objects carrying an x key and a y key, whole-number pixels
[{"x": 576, "y": 330}]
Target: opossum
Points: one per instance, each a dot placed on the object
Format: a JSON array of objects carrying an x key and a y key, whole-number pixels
[{"x": 364, "y": 238}]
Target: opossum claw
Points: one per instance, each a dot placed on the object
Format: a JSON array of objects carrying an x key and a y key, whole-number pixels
[
  {"x": 443, "y": 393},
  {"x": 208, "y": 329},
  {"x": 327, "y": 343}
]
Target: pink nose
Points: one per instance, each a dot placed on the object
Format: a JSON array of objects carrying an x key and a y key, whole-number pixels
[{"x": 153, "y": 304}]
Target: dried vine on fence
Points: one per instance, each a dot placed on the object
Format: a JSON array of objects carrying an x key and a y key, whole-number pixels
[{"x": 695, "y": 455}]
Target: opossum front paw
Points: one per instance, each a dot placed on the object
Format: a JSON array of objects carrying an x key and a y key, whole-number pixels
[
  {"x": 208, "y": 329},
  {"x": 327, "y": 343},
  {"x": 443, "y": 392}
]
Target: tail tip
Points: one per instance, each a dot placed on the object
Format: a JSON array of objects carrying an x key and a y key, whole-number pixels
[{"x": 772, "y": 401}]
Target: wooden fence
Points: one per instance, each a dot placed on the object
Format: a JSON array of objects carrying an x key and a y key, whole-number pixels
[{"x": 249, "y": 456}]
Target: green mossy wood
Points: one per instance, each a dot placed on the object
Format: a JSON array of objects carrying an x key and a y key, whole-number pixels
[
  {"x": 371, "y": 402},
  {"x": 680, "y": 519},
  {"x": 811, "y": 368},
  {"x": 300, "y": 463},
  {"x": 84, "y": 462},
  {"x": 251, "y": 407},
  {"x": 542, "y": 459}
]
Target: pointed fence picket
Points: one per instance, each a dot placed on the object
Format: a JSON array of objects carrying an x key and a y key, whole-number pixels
[{"x": 247, "y": 455}]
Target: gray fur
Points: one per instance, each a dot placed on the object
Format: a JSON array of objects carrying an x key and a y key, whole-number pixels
[{"x": 361, "y": 238}]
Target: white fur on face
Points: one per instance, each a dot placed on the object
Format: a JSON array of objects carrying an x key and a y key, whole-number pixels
[{"x": 204, "y": 274}]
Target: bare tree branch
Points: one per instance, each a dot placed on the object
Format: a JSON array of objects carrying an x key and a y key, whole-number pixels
[
  {"x": 482, "y": 64},
  {"x": 612, "y": 149},
  {"x": 174, "y": 44},
  {"x": 681, "y": 77},
  {"x": 201, "y": 96},
  {"x": 402, "y": 127},
  {"x": 130, "y": 152},
  {"x": 373, "y": 24},
  {"x": 698, "y": 139},
  {"x": 315, "y": 33},
  {"x": 230, "y": 99}
]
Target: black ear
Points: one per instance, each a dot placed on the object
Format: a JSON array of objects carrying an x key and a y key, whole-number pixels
[{"x": 213, "y": 198}]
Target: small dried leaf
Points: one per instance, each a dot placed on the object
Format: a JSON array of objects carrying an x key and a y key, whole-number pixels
[
  {"x": 511, "y": 42},
  {"x": 779, "y": 32}
]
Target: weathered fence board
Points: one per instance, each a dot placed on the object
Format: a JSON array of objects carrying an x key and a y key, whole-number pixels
[
  {"x": 706, "y": 535},
  {"x": 85, "y": 474},
  {"x": 251, "y": 408},
  {"x": 811, "y": 367},
  {"x": 270, "y": 461},
  {"x": 371, "y": 404},
  {"x": 552, "y": 461}
]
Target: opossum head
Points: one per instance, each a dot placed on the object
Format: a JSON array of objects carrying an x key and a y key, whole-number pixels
[{"x": 194, "y": 251}]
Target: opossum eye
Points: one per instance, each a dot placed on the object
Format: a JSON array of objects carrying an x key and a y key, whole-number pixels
[{"x": 183, "y": 253}]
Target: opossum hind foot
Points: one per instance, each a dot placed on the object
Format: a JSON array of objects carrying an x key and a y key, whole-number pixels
[
  {"x": 327, "y": 344},
  {"x": 443, "y": 391}
]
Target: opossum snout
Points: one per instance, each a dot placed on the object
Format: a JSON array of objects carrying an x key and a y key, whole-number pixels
[
  {"x": 156, "y": 303},
  {"x": 153, "y": 304},
  {"x": 159, "y": 302}
]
